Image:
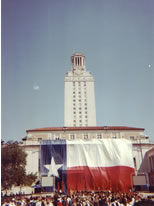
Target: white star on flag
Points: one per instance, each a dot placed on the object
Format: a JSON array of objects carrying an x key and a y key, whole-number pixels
[{"x": 53, "y": 168}]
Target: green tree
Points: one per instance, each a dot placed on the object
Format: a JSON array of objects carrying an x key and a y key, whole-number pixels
[{"x": 13, "y": 166}]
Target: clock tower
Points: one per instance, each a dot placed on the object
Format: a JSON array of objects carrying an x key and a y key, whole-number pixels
[
  {"x": 79, "y": 102},
  {"x": 78, "y": 64}
]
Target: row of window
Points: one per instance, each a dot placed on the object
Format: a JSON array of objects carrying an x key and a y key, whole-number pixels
[
  {"x": 73, "y": 136},
  {"x": 79, "y": 83},
  {"x": 80, "y": 112},
  {"x": 80, "y": 120},
  {"x": 74, "y": 92},
  {"x": 79, "y": 97},
  {"x": 74, "y": 100},
  {"x": 79, "y": 104},
  {"x": 81, "y": 116},
  {"x": 79, "y": 88},
  {"x": 75, "y": 96},
  {"x": 74, "y": 108},
  {"x": 74, "y": 125},
  {"x": 138, "y": 137},
  {"x": 100, "y": 136},
  {"x": 80, "y": 108}
]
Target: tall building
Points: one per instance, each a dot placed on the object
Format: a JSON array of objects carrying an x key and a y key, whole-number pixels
[{"x": 79, "y": 95}]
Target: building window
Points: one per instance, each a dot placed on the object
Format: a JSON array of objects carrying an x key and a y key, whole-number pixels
[
  {"x": 49, "y": 136},
  {"x": 80, "y": 120},
  {"x": 72, "y": 136},
  {"x": 74, "y": 120},
  {"x": 114, "y": 137},
  {"x": 56, "y": 136},
  {"x": 85, "y": 136},
  {"x": 39, "y": 139},
  {"x": 74, "y": 108},
  {"x": 74, "y": 125},
  {"x": 79, "y": 92},
  {"x": 73, "y": 96},
  {"x": 73, "y": 92},
  {"x": 85, "y": 108},
  {"x": 99, "y": 136},
  {"x": 79, "y": 100},
  {"x": 79, "y": 107},
  {"x": 132, "y": 137},
  {"x": 134, "y": 160},
  {"x": 73, "y": 100}
]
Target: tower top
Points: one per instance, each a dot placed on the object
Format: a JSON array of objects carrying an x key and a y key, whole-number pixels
[
  {"x": 78, "y": 62},
  {"x": 78, "y": 54}
]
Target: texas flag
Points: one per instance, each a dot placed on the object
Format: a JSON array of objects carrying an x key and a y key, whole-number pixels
[{"x": 88, "y": 165}]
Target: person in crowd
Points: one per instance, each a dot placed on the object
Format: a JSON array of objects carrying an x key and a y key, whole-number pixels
[{"x": 103, "y": 198}]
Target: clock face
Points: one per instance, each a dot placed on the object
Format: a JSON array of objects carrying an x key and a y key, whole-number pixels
[{"x": 78, "y": 71}]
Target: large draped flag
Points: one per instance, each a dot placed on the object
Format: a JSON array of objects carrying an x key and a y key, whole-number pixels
[{"x": 88, "y": 165}]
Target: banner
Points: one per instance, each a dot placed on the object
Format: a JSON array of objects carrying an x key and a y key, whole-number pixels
[{"x": 88, "y": 165}]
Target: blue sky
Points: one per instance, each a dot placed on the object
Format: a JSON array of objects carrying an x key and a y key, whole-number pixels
[{"x": 38, "y": 38}]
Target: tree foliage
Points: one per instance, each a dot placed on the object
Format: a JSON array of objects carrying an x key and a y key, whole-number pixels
[{"x": 13, "y": 166}]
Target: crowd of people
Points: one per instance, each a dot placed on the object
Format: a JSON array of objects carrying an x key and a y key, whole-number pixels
[{"x": 106, "y": 198}]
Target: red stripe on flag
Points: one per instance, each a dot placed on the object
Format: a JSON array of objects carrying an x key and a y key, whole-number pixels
[{"x": 117, "y": 178}]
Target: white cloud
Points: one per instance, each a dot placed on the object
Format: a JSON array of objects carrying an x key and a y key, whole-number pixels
[
  {"x": 149, "y": 65},
  {"x": 36, "y": 87}
]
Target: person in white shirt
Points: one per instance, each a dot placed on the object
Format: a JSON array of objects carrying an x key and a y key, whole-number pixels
[{"x": 39, "y": 202}]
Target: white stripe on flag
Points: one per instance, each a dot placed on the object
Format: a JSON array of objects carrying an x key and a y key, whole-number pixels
[{"x": 99, "y": 153}]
